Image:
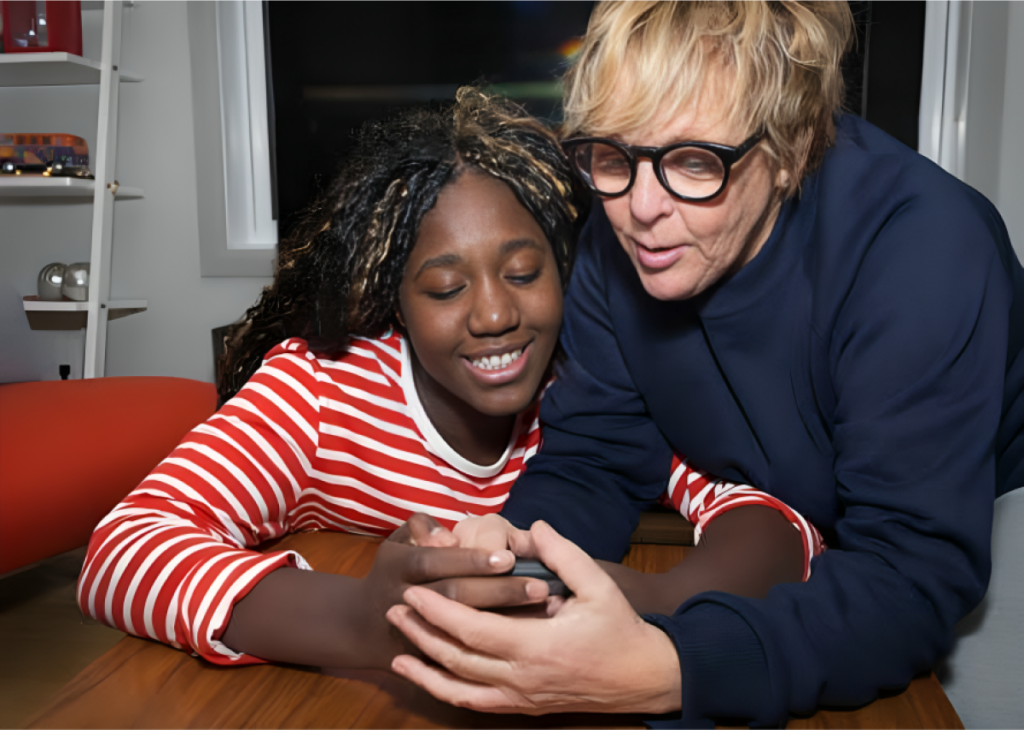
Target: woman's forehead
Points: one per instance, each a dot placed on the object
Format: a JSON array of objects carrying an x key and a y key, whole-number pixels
[
  {"x": 704, "y": 119},
  {"x": 692, "y": 110}
]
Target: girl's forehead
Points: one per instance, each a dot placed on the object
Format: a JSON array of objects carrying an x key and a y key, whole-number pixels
[{"x": 474, "y": 213}]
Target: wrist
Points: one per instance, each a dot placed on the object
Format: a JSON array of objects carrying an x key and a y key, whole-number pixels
[{"x": 663, "y": 673}]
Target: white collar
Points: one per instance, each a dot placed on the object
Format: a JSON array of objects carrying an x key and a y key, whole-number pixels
[{"x": 434, "y": 440}]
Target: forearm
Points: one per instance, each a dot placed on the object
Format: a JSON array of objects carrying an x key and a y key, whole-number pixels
[
  {"x": 311, "y": 618},
  {"x": 744, "y": 552}
]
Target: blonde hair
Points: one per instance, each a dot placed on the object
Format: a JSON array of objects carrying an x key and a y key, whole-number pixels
[{"x": 778, "y": 61}]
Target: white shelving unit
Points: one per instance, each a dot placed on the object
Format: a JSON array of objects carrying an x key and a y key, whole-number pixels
[
  {"x": 69, "y": 315},
  {"x": 37, "y": 186},
  {"x": 65, "y": 69},
  {"x": 51, "y": 69}
]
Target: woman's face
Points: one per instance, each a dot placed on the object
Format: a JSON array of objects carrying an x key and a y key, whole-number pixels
[
  {"x": 481, "y": 298},
  {"x": 679, "y": 248}
]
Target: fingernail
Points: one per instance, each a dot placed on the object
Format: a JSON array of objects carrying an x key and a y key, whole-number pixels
[
  {"x": 499, "y": 558},
  {"x": 435, "y": 529},
  {"x": 412, "y": 597},
  {"x": 535, "y": 590}
]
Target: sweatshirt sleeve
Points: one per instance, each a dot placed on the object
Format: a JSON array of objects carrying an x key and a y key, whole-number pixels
[
  {"x": 918, "y": 357},
  {"x": 173, "y": 558}
]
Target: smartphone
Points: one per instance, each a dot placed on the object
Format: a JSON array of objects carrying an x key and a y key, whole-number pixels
[{"x": 526, "y": 568}]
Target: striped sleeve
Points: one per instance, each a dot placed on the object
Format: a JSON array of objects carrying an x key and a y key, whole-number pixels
[
  {"x": 172, "y": 559},
  {"x": 700, "y": 498}
]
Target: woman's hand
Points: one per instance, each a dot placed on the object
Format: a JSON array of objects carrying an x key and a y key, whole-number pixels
[{"x": 593, "y": 654}]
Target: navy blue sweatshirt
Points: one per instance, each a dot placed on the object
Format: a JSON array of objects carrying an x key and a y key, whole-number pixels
[{"x": 863, "y": 368}]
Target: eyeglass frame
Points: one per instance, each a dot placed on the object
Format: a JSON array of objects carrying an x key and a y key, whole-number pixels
[{"x": 728, "y": 155}]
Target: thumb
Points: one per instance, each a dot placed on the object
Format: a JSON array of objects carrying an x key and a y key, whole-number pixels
[
  {"x": 521, "y": 543},
  {"x": 425, "y": 531},
  {"x": 578, "y": 571}
]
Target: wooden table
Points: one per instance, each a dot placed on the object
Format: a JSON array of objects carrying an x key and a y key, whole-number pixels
[{"x": 143, "y": 684}]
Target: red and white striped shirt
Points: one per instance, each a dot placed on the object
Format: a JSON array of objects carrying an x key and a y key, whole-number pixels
[{"x": 310, "y": 443}]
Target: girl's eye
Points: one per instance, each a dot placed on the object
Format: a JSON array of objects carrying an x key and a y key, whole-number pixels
[
  {"x": 443, "y": 295},
  {"x": 524, "y": 278}
]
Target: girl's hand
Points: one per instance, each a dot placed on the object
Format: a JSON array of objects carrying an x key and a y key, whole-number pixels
[
  {"x": 334, "y": 621},
  {"x": 463, "y": 574},
  {"x": 594, "y": 654},
  {"x": 422, "y": 530}
]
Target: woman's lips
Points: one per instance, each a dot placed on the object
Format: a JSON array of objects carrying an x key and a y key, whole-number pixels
[
  {"x": 504, "y": 375},
  {"x": 657, "y": 259}
]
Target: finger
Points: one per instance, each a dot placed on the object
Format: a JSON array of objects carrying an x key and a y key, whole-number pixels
[
  {"x": 553, "y": 605},
  {"x": 488, "y": 532},
  {"x": 479, "y": 631},
  {"x": 520, "y": 542},
  {"x": 445, "y": 649},
  {"x": 403, "y": 535},
  {"x": 428, "y": 532},
  {"x": 426, "y": 565},
  {"x": 492, "y": 592},
  {"x": 449, "y": 688},
  {"x": 584, "y": 577}
]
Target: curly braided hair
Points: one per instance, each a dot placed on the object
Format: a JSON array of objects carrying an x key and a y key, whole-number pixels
[{"x": 339, "y": 272}]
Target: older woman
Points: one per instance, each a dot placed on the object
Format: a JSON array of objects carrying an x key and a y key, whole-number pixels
[{"x": 793, "y": 299}]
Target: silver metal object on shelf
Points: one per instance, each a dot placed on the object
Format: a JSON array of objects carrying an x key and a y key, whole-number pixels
[
  {"x": 50, "y": 280},
  {"x": 76, "y": 282}
]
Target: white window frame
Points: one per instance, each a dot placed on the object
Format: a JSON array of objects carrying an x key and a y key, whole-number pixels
[
  {"x": 945, "y": 73},
  {"x": 244, "y": 127},
  {"x": 237, "y": 231}
]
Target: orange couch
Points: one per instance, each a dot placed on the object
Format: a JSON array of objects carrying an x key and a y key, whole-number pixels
[{"x": 71, "y": 450}]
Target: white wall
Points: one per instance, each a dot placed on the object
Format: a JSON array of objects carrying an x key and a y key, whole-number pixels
[
  {"x": 156, "y": 240},
  {"x": 1010, "y": 196}
]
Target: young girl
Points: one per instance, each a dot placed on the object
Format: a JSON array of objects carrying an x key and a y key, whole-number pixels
[{"x": 394, "y": 367}]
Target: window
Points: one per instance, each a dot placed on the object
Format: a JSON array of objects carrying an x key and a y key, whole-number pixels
[{"x": 233, "y": 134}]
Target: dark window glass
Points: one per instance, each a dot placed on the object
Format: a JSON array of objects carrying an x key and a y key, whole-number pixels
[
  {"x": 337, "y": 65},
  {"x": 333, "y": 66},
  {"x": 883, "y": 71}
]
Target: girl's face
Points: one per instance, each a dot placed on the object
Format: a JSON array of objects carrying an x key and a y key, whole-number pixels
[{"x": 481, "y": 298}]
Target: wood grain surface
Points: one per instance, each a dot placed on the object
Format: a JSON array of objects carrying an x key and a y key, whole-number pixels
[{"x": 143, "y": 684}]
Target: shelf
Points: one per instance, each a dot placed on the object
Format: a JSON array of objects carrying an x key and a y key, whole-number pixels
[
  {"x": 37, "y": 186},
  {"x": 51, "y": 69},
  {"x": 98, "y": 4},
  {"x": 71, "y": 315}
]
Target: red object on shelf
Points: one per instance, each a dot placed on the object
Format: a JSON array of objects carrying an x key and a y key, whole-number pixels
[{"x": 41, "y": 26}]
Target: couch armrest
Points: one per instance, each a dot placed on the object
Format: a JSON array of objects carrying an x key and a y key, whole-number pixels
[{"x": 71, "y": 450}]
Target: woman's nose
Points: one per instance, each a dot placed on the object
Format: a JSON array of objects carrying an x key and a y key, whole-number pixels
[
  {"x": 648, "y": 199},
  {"x": 495, "y": 310}
]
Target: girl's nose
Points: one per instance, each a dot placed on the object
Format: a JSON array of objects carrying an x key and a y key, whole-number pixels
[{"x": 494, "y": 311}]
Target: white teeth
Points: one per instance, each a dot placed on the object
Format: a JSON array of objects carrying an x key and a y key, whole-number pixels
[{"x": 497, "y": 362}]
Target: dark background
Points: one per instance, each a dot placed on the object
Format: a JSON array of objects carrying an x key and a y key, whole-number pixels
[{"x": 333, "y": 66}]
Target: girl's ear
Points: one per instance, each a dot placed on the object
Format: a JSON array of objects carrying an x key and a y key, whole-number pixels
[{"x": 398, "y": 316}]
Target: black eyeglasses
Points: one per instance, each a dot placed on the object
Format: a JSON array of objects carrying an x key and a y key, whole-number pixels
[{"x": 692, "y": 171}]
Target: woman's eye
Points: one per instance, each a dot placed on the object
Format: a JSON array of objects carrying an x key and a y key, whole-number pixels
[
  {"x": 524, "y": 278},
  {"x": 443, "y": 295}
]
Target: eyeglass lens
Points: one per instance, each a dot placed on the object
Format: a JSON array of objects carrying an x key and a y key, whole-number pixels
[{"x": 690, "y": 172}]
